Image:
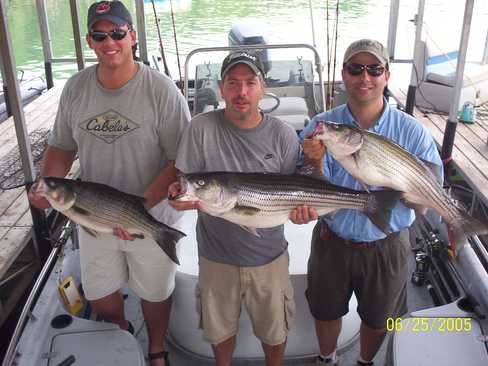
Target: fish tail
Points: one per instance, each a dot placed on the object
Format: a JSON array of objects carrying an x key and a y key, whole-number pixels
[
  {"x": 379, "y": 206},
  {"x": 167, "y": 237},
  {"x": 459, "y": 230}
]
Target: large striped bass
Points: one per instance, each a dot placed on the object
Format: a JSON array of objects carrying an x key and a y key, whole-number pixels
[
  {"x": 100, "y": 208},
  {"x": 376, "y": 160},
  {"x": 257, "y": 200}
]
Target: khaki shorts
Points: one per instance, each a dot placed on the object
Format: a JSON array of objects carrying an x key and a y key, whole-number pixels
[
  {"x": 267, "y": 294},
  {"x": 377, "y": 275},
  {"x": 108, "y": 263}
]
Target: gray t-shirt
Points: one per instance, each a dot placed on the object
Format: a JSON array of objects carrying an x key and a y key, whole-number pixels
[
  {"x": 125, "y": 136},
  {"x": 211, "y": 143}
]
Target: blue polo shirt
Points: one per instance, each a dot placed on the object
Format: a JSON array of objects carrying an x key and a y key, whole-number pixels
[{"x": 398, "y": 127}]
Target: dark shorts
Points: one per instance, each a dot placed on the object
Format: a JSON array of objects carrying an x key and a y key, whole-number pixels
[{"x": 377, "y": 274}]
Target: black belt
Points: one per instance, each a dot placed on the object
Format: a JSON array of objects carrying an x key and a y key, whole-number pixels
[{"x": 327, "y": 234}]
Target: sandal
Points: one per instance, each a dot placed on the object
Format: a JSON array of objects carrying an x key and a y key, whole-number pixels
[{"x": 157, "y": 355}]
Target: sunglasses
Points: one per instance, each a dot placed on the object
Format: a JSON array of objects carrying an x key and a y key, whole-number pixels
[
  {"x": 374, "y": 70},
  {"x": 116, "y": 35}
]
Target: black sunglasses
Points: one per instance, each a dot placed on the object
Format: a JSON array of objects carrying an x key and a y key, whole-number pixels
[
  {"x": 116, "y": 35},
  {"x": 374, "y": 70}
]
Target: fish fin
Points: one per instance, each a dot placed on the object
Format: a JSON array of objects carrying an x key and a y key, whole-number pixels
[
  {"x": 251, "y": 230},
  {"x": 419, "y": 209},
  {"x": 246, "y": 210},
  {"x": 379, "y": 208},
  {"x": 90, "y": 231},
  {"x": 80, "y": 211},
  {"x": 311, "y": 170},
  {"x": 167, "y": 237}
]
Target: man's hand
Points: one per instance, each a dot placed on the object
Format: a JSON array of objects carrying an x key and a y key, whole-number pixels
[
  {"x": 313, "y": 150},
  {"x": 303, "y": 215},
  {"x": 35, "y": 197},
  {"x": 123, "y": 234},
  {"x": 174, "y": 190}
]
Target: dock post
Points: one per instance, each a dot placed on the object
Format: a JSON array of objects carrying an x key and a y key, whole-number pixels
[
  {"x": 46, "y": 41},
  {"x": 8, "y": 62}
]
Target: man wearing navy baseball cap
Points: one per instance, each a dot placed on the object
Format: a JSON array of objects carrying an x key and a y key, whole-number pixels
[{"x": 124, "y": 120}]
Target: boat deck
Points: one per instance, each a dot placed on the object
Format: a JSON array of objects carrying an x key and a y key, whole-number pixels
[
  {"x": 470, "y": 150},
  {"x": 18, "y": 260}
]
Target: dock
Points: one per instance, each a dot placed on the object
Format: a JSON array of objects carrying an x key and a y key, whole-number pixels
[
  {"x": 470, "y": 150},
  {"x": 19, "y": 259}
]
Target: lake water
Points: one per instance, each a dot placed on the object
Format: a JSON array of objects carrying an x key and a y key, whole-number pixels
[{"x": 203, "y": 23}]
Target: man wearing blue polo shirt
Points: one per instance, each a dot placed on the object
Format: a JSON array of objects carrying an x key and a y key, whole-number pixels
[{"x": 349, "y": 253}]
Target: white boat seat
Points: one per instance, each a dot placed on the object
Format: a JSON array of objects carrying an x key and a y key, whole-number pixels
[
  {"x": 106, "y": 347},
  {"x": 439, "y": 336},
  {"x": 436, "y": 78},
  {"x": 292, "y": 110}
]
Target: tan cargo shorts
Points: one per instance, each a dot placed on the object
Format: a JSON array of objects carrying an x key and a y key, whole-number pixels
[
  {"x": 108, "y": 263},
  {"x": 266, "y": 291}
]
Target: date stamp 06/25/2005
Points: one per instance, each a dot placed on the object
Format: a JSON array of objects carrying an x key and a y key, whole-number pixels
[{"x": 419, "y": 325}]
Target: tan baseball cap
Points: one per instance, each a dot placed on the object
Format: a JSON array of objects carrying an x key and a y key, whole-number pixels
[{"x": 369, "y": 46}]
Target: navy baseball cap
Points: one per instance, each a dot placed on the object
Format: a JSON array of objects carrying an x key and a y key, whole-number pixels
[{"x": 112, "y": 11}]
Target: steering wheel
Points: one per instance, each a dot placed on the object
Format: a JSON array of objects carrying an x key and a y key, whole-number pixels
[{"x": 272, "y": 108}]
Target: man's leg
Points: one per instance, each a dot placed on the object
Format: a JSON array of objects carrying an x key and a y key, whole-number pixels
[
  {"x": 111, "y": 309},
  {"x": 274, "y": 354},
  {"x": 371, "y": 340},
  {"x": 327, "y": 335},
  {"x": 156, "y": 316},
  {"x": 223, "y": 351}
]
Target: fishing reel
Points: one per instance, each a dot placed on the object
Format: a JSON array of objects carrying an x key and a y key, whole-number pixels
[{"x": 422, "y": 265}]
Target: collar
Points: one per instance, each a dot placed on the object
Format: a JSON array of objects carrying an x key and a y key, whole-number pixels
[{"x": 378, "y": 124}]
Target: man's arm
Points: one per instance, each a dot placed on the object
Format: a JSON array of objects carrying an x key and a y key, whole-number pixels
[
  {"x": 55, "y": 163},
  {"x": 158, "y": 189}
]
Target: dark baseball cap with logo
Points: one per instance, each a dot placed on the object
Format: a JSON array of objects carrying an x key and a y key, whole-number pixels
[
  {"x": 248, "y": 58},
  {"x": 112, "y": 11}
]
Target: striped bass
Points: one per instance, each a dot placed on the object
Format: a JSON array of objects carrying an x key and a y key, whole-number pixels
[
  {"x": 257, "y": 200},
  {"x": 376, "y": 160},
  {"x": 99, "y": 208}
]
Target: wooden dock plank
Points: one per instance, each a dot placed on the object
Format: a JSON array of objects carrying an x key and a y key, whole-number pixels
[
  {"x": 470, "y": 150},
  {"x": 11, "y": 244},
  {"x": 15, "y": 217}
]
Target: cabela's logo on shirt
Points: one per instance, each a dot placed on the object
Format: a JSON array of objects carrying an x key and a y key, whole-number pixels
[{"x": 109, "y": 126}]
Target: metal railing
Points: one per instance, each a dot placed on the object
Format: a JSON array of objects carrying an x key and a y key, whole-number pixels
[{"x": 318, "y": 63}]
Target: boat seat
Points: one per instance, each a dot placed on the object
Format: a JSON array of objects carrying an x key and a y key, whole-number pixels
[
  {"x": 443, "y": 335},
  {"x": 292, "y": 110},
  {"x": 436, "y": 78},
  {"x": 106, "y": 347}
]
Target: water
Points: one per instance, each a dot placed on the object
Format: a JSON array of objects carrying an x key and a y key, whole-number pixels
[{"x": 204, "y": 23}]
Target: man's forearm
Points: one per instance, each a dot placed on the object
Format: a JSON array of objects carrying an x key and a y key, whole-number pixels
[
  {"x": 57, "y": 162},
  {"x": 158, "y": 189}
]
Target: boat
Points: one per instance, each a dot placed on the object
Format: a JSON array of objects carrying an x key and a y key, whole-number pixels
[
  {"x": 448, "y": 298},
  {"x": 30, "y": 88}
]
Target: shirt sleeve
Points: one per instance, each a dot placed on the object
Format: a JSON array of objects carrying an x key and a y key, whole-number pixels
[
  {"x": 290, "y": 148},
  {"x": 176, "y": 116},
  {"x": 190, "y": 158}
]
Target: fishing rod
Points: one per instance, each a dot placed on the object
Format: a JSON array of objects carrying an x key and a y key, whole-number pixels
[
  {"x": 327, "y": 98},
  {"x": 176, "y": 44},
  {"x": 335, "y": 53},
  {"x": 163, "y": 56}
]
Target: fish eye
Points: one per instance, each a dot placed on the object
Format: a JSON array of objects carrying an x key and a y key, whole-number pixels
[{"x": 201, "y": 182}]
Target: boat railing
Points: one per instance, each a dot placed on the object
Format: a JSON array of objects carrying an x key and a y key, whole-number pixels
[
  {"x": 34, "y": 294},
  {"x": 258, "y": 47}
]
